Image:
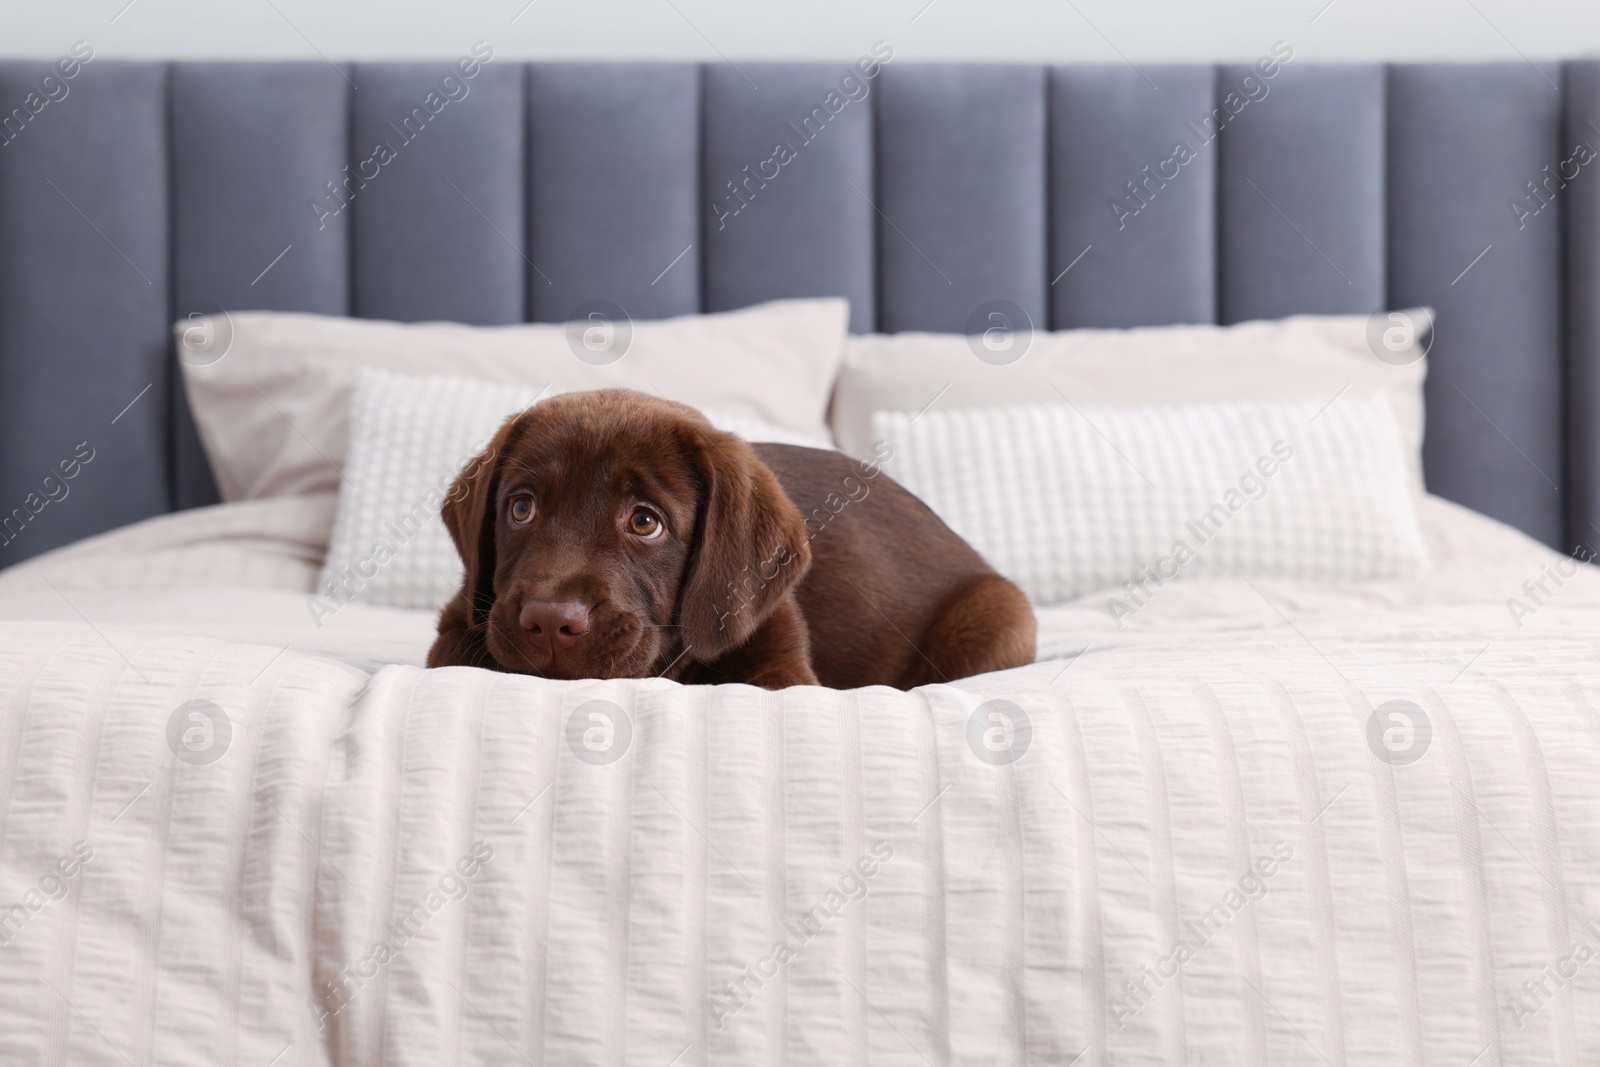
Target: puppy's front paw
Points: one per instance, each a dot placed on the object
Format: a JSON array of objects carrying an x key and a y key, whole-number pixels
[{"x": 783, "y": 676}]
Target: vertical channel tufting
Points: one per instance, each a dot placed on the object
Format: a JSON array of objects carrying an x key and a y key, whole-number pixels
[
  {"x": 1467, "y": 145},
  {"x": 786, "y": 182},
  {"x": 1301, "y": 189},
  {"x": 1479, "y": 160},
  {"x": 1577, "y": 159},
  {"x": 613, "y": 190},
  {"x": 961, "y": 188},
  {"x": 1133, "y": 221},
  {"x": 83, "y": 301},
  {"x": 436, "y": 190},
  {"x": 252, "y": 146}
]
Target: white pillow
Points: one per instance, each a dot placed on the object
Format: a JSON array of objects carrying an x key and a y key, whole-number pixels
[
  {"x": 409, "y": 438},
  {"x": 1306, "y": 357},
  {"x": 1066, "y": 500},
  {"x": 271, "y": 391}
]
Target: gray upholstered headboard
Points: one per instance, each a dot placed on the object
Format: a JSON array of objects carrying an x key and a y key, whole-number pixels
[{"x": 149, "y": 190}]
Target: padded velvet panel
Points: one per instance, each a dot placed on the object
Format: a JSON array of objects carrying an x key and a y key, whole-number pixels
[
  {"x": 1301, "y": 190},
  {"x": 252, "y": 146},
  {"x": 83, "y": 301},
  {"x": 1148, "y": 242},
  {"x": 961, "y": 188},
  {"x": 436, "y": 192},
  {"x": 614, "y": 190},
  {"x": 787, "y": 181},
  {"x": 603, "y": 174},
  {"x": 1581, "y": 203},
  {"x": 1463, "y": 140}
]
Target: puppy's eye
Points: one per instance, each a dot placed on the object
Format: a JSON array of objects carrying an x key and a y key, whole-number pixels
[
  {"x": 645, "y": 523},
  {"x": 521, "y": 509}
]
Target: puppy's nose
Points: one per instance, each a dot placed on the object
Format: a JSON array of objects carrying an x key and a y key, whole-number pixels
[{"x": 561, "y": 622}]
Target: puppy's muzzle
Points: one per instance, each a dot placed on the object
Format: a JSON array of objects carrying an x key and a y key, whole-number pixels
[{"x": 558, "y": 624}]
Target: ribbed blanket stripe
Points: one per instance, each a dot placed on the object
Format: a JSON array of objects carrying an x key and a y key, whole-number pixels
[{"x": 1211, "y": 862}]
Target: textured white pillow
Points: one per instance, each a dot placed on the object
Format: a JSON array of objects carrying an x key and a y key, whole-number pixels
[
  {"x": 1066, "y": 500},
  {"x": 409, "y": 438},
  {"x": 271, "y": 391},
  {"x": 1306, "y": 357}
]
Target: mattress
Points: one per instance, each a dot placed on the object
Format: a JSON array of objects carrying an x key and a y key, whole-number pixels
[{"x": 229, "y": 834}]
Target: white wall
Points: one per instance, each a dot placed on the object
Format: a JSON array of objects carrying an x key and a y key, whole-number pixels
[{"x": 1094, "y": 31}]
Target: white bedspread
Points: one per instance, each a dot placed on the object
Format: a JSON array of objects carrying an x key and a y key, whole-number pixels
[{"x": 1198, "y": 857}]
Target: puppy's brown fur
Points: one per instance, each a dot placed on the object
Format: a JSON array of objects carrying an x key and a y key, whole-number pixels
[{"x": 611, "y": 534}]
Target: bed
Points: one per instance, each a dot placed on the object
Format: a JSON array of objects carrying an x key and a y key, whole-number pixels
[{"x": 1261, "y": 820}]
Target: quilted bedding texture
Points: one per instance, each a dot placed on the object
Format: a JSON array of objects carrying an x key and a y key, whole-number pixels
[{"x": 1202, "y": 838}]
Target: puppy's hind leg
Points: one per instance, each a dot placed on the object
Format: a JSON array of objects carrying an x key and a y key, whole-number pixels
[{"x": 985, "y": 624}]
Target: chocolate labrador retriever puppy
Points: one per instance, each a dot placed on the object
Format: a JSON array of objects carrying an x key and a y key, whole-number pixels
[{"x": 611, "y": 534}]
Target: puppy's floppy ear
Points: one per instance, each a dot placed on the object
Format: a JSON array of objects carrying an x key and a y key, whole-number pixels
[
  {"x": 469, "y": 515},
  {"x": 750, "y": 547}
]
